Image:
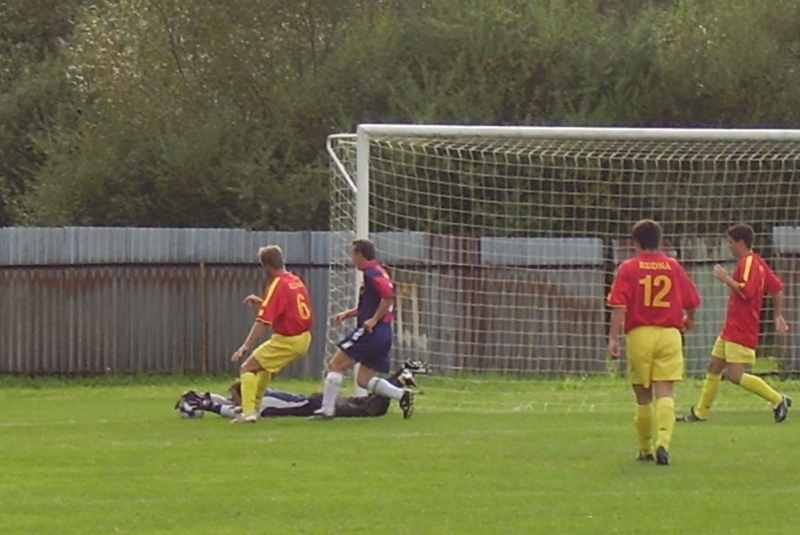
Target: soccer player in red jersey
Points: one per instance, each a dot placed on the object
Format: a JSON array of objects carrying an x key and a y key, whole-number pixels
[
  {"x": 653, "y": 300},
  {"x": 287, "y": 308},
  {"x": 735, "y": 347}
]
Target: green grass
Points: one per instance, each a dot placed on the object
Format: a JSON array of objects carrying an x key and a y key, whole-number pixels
[{"x": 478, "y": 457}]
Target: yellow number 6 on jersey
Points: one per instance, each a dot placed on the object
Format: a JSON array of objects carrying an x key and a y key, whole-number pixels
[{"x": 302, "y": 307}]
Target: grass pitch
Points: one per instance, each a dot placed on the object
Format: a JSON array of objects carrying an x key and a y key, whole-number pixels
[{"x": 479, "y": 456}]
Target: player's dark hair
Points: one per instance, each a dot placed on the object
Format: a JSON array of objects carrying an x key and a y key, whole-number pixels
[
  {"x": 647, "y": 233},
  {"x": 364, "y": 247},
  {"x": 271, "y": 256},
  {"x": 235, "y": 392},
  {"x": 743, "y": 233}
]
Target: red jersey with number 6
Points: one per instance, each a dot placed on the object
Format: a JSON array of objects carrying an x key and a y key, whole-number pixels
[
  {"x": 286, "y": 306},
  {"x": 654, "y": 289},
  {"x": 744, "y": 310}
]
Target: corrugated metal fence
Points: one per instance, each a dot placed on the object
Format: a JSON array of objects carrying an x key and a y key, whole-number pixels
[{"x": 94, "y": 300}]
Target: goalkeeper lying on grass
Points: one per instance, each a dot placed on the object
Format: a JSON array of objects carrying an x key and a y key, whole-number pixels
[{"x": 277, "y": 403}]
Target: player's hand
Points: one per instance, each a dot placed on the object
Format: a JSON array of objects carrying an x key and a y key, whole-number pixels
[
  {"x": 252, "y": 300},
  {"x": 688, "y": 324},
  {"x": 339, "y": 318},
  {"x": 780, "y": 325},
  {"x": 613, "y": 348},
  {"x": 370, "y": 324},
  {"x": 720, "y": 273},
  {"x": 239, "y": 353}
]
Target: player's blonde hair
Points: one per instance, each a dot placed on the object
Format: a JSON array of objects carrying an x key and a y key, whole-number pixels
[{"x": 271, "y": 256}]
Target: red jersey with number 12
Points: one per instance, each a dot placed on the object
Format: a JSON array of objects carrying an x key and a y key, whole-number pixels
[
  {"x": 654, "y": 289},
  {"x": 286, "y": 306},
  {"x": 744, "y": 311}
]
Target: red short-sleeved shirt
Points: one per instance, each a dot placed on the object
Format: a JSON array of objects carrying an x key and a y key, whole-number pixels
[
  {"x": 286, "y": 306},
  {"x": 744, "y": 312},
  {"x": 654, "y": 289}
]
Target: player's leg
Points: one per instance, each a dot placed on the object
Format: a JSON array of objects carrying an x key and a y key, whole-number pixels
[
  {"x": 272, "y": 356},
  {"x": 369, "y": 379},
  {"x": 739, "y": 358},
  {"x": 643, "y": 420},
  {"x": 711, "y": 382},
  {"x": 345, "y": 358},
  {"x": 263, "y": 378},
  {"x": 665, "y": 419},
  {"x": 667, "y": 370},
  {"x": 639, "y": 353},
  {"x": 710, "y": 388},
  {"x": 340, "y": 363},
  {"x": 375, "y": 359},
  {"x": 248, "y": 375}
]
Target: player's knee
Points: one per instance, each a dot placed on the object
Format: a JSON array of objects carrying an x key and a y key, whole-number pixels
[
  {"x": 336, "y": 367},
  {"x": 365, "y": 377},
  {"x": 716, "y": 365},
  {"x": 735, "y": 377}
]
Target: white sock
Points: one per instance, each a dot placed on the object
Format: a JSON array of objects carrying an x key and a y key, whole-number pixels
[
  {"x": 384, "y": 388},
  {"x": 333, "y": 382}
]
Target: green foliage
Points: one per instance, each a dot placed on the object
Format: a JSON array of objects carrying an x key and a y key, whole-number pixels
[
  {"x": 511, "y": 457},
  {"x": 32, "y": 87},
  {"x": 204, "y": 113}
]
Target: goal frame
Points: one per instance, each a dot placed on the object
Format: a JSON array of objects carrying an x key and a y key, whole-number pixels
[{"x": 359, "y": 184}]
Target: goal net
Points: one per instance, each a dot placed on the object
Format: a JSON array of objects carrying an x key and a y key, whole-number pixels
[{"x": 503, "y": 240}]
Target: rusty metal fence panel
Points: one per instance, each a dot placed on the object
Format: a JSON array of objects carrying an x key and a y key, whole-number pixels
[
  {"x": 88, "y": 300},
  {"x": 111, "y": 300}
]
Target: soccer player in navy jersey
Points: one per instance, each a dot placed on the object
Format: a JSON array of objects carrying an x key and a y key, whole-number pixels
[{"x": 370, "y": 342}]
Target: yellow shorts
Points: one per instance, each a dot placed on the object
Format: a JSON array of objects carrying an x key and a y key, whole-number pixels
[
  {"x": 281, "y": 350},
  {"x": 733, "y": 352},
  {"x": 654, "y": 354}
]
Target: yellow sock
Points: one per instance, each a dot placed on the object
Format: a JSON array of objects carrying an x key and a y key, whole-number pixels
[
  {"x": 707, "y": 394},
  {"x": 249, "y": 387},
  {"x": 665, "y": 420},
  {"x": 644, "y": 427},
  {"x": 757, "y": 386},
  {"x": 263, "y": 378}
]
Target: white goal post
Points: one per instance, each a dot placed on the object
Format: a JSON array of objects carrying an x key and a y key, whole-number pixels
[{"x": 503, "y": 240}]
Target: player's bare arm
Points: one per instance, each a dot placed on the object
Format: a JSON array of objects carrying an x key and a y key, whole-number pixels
[
  {"x": 339, "y": 318},
  {"x": 384, "y": 307},
  {"x": 614, "y": 332},
  {"x": 721, "y": 274},
  {"x": 256, "y": 332},
  {"x": 777, "y": 304}
]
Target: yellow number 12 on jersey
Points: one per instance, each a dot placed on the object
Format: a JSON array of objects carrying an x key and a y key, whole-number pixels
[{"x": 662, "y": 284}]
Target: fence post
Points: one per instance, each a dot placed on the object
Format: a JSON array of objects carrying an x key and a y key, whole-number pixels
[{"x": 203, "y": 312}]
